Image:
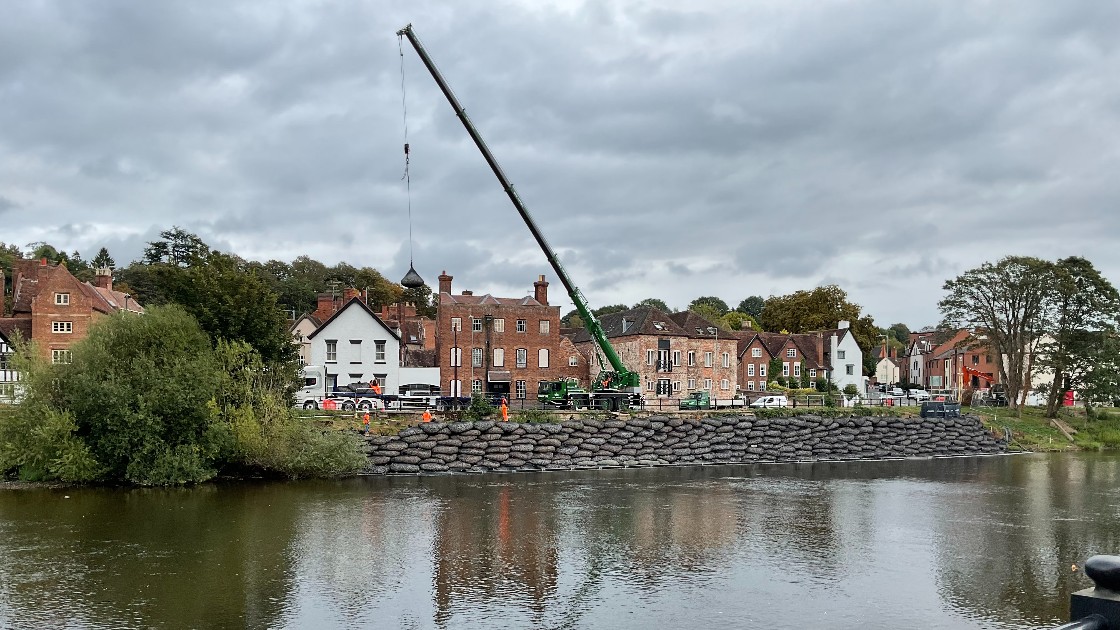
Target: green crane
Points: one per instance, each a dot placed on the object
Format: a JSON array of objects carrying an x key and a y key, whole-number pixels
[{"x": 612, "y": 389}]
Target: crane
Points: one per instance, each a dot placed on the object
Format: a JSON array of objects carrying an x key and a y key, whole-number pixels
[{"x": 612, "y": 389}]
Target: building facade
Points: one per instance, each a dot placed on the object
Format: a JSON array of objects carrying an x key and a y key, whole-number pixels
[{"x": 355, "y": 346}]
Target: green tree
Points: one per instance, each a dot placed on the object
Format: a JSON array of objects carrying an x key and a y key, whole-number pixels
[
  {"x": 1100, "y": 384},
  {"x": 607, "y": 310},
  {"x": 734, "y": 320},
  {"x": 1086, "y": 310},
  {"x": 655, "y": 303},
  {"x": 716, "y": 305},
  {"x": 1007, "y": 303},
  {"x": 572, "y": 320},
  {"x": 752, "y": 306},
  {"x": 103, "y": 260},
  {"x": 900, "y": 333},
  {"x": 709, "y": 313},
  {"x": 774, "y": 369},
  {"x": 820, "y": 309}
]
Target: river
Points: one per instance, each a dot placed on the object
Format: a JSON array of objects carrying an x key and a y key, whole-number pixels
[{"x": 983, "y": 542}]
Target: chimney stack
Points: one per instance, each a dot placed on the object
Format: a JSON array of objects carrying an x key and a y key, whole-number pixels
[
  {"x": 445, "y": 282},
  {"x": 43, "y": 261},
  {"x": 104, "y": 278},
  {"x": 540, "y": 290},
  {"x": 349, "y": 294},
  {"x": 844, "y": 324}
]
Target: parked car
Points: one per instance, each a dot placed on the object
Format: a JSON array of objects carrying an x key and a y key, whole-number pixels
[
  {"x": 770, "y": 401},
  {"x": 896, "y": 392},
  {"x": 918, "y": 394},
  {"x": 936, "y": 409}
]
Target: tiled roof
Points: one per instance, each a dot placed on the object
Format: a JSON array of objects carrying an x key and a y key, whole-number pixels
[
  {"x": 644, "y": 320},
  {"x": 11, "y": 325},
  {"x": 697, "y": 327},
  {"x": 484, "y": 300},
  {"x": 362, "y": 305},
  {"x": 418, "y": 357}
]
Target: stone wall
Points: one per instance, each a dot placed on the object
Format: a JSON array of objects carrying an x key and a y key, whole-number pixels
[{"x": 437, "y": 447}]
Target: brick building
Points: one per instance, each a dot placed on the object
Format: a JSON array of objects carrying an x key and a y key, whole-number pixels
[
  {"x": 503, "y": 346},
  {"x": 675, "y": 354},
  {"x": 53, "y": 309},
  {"x": 803, "y": 358}
]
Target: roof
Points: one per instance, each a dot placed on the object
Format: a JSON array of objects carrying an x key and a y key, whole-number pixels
[
  {"x": 487, "y": 300},
  {"x": 362, "y": 305},
  {"x": 697, "y": 327},
  {"x": 306, "y": 316},
  {"x": 419, "y": 357},
  {"x": 9, "y": 326},
  {"x": 109, "y": 301},
  {"x": 644, "y": 320},
  {"x": 28, "y": 273}
]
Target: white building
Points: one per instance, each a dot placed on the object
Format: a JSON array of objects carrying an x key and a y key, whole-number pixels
[
  {"x": 356, "y": 346},
  {"x": 8, "y": 376},
  {"x": 844, "y": 357},
  {"x": 301, "y": 332},
  {"x": 886, "y": 371}
]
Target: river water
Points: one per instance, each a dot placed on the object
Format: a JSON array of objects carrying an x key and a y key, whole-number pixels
[{"x": 947, "y": 543}]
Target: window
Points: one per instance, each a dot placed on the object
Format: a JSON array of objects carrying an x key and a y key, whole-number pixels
[
  {"x": 650, "y": 356},
  {"x": 756, "y": 352},
  {"x": 726, "y": 359},
  {"x": 499, "y": 325},
  {"x": 676, "y": 386},
  {"x": 520, "y": 325},
  {"x": 456, "y": 387},
  {"x": 61, "y": 299},
  {"x": 476, "y": 386},
  {"x": 380, "y": 378},
  {"x": 476, "y": 357},
  {"x": 750, "y": 369},
  {"x": 750, "y": 386},
  {"x": 499, "y": 357},
  {"x": 791, "y": 352},
  {"x": 676, "y": 357},
  {"x": 708, "y": 384},
  {"x": 762, "y": 369},
  {"x": 62, "y": 327},
  {"x": 723, "y": 384},
  {"x": 476, "y": 324},
  {"x": 522, "y": 357},
  {"x": 707, "y": 359},
  {"x": 839, "y": 354},
  {"x": 850, "y": 369},
  {"x": 976, "y": 359},
  {"x": 60, "y": 356},
  {"x": 649, "y": 386},
  {"x": 5, "y": 360},
  {"x": 692, "y": 383},
  {"x": 456, "y": 357},
  {"x": 379, "y": 351},
  {"x": 332, "y": 350},
  {"x": 457, "y": 324},
  {"x": 691, "y": 357},
  {"x": 797, "y": 370},
  {"x": 915, "y": 363},
  {"x": 544, "y": 326},
  {"x": 573, "y": 361},
  {"x": 519, "y": 389},
  {"x": 812, "y": 374},
  {"x": 542, "y": 357},
  {"x": 785, "y": 369}
]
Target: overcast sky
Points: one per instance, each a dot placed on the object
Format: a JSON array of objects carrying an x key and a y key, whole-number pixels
[{"x": 666, "y": 149}]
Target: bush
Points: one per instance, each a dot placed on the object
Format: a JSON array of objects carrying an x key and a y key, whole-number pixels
[
  {"x": 535, "y": 415},
  {"x": 821, "y": 384},
  {"x": 478, "y": 409},
  {"x": 781, "y": 380},
  {"x": 850, "y": 389}
]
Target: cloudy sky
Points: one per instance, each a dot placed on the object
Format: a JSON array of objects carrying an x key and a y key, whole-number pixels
[{"x": 667, "y": 149}]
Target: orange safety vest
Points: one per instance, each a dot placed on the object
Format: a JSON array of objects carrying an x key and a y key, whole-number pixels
[{"x": 427, "y": 416}]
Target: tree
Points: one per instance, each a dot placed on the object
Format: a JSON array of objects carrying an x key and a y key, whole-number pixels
[
  {"x": 710, "y": 313},
  {"x": 717, "y": 305},
  {"x": 1086, "y": 310},
  {"x": 734, "y": 320},
  {"x": 820, "y": 309},
  {"x": 774, "y": 369},
  {"x": 1007, "y": 303},
  {"x": 655, "y": 303},
  {"x": 1100, "y": 383},
  {"x": 103, "y": 260},
  {"x": 607, "y": 310},
  {"x": 752, "y": 306},
  {"x": 176, "y": 247},
  {"x": 571, "y": 320},
  {"x": 899, "y": 332}
]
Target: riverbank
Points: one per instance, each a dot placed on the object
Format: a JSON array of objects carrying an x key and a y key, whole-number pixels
[{"x": 1034, "y": 432}]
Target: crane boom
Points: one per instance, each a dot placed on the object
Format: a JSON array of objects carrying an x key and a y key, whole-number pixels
[{"x": 622, "y": 377}]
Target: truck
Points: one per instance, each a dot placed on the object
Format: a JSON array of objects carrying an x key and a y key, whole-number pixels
[
  {"x": 615, "y": 387},
  {"x": 315, "y": 394},
  {"x": 702, "y": 399}
]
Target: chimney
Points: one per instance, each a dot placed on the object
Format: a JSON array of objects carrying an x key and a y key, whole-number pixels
[
  {"x": 349, "y": 294},
  {"x": 445, "y": 282},
  {"x": 540, "y": 290},
  {"x": 844, "y": 324},
  {"x": 325, "y": 307},
  {"x": 104, "y": 278},
  {"x": 468, "y": 292},
  {"x": 43, "y": 261}
]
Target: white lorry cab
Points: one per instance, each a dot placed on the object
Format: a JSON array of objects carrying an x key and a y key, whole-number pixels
[{"x": 315, "y": 395}]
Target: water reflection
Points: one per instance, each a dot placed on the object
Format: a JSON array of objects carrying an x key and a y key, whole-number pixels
[{"x": 985, "y": 542}]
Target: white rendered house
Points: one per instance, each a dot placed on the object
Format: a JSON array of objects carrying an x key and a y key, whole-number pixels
[{"x": 356, "y": 346}]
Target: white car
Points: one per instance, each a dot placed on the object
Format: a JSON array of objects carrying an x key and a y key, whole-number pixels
[
  {"x": 896, "y": 392},
  {"x": 770, "y": 401},
  {"x": 918, "y": 394}
]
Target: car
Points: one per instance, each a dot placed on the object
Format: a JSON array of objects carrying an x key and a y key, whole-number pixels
[
  {"x": 770, "y": 401},
  {"x": 896, "y": 392},
  {"x": 940, "y": 409},
  {"x": 918, "y": 394}
]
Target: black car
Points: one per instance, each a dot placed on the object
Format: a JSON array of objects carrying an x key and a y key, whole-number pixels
[{"x": 940, "y": 409}]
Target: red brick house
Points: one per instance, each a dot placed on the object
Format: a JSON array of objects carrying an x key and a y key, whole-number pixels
[
  {"x": 801, "y": 355},
  {"x": 53, "y": 309},
  {"x": 502, "y": 346}
]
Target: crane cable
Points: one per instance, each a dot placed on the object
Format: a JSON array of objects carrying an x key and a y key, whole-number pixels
[{"x": 407, "y": 179}]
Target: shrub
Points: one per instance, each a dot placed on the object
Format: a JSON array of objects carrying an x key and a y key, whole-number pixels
[
  {"x": 821, "y": 384},
  {"x": 535, "y": 415},
  {"x": 478, "y": 409},
  {"x": 850, "y": 389}
]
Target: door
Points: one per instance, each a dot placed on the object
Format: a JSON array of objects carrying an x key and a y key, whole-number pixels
[{"x": 664, "y": 387}]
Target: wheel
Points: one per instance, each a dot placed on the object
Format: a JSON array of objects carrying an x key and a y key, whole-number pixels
[
  {"x": 348, "y": 405},
  {"x": 365, "y": 406},
  {"x": 310, "y": 404}
]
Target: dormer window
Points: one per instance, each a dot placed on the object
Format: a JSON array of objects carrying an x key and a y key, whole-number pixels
[{"x": 62, "y": 299}]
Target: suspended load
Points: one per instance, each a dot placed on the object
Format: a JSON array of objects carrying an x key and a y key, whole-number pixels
[{"x": 412, "y": 280}]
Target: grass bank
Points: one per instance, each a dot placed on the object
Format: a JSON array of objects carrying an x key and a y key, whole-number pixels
[{"x": 1034, "y": 432}]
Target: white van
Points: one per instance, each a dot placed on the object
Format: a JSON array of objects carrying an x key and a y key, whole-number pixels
[{"x": 770, "y": 401}]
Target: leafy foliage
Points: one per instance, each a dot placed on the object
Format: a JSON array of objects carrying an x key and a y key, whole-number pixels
[
  {"x": 714, "y": 304},
  {"x": 655, "y": 303},
  {"x": 752, "y": 306},
  {"x": 820, "y": 309}
]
